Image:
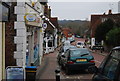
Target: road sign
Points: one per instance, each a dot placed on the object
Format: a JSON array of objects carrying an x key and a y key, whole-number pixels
[{"x": 44, "y": 25}]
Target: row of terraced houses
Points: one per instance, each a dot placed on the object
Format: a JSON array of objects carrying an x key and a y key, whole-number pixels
[{"x": 27, "y": 32}]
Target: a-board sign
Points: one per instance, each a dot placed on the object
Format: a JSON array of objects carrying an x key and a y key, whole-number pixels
[{"x": 15, "y": 73}]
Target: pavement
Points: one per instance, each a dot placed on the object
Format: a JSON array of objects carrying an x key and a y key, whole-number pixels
[
  {"x": 104, "y": 53},
  {"x": 46, "y": 71}
]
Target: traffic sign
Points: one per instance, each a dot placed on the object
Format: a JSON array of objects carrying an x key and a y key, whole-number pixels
[{"x": 44, "y": 25}]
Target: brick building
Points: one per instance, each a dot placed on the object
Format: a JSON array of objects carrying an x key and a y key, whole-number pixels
[
  {"x": 67, "y": 32},
  {"x": 10, "y": 32},
  {"x": 50, "y": 33},
  {"x": 99, "y": 18},
  {"x": 7, "y": 33}
]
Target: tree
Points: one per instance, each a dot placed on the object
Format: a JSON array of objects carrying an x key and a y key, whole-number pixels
[
  {"x": 103, "y": 29},
  {"x": 113, "y": 37}
]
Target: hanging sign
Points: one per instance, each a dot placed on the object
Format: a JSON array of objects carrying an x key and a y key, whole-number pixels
[{"x": 30, "y": 17}]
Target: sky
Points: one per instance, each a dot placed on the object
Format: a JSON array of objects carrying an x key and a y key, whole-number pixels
[{"x": 79, "y": 10}]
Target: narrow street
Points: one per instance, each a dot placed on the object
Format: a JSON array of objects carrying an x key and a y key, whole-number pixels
[
  {"x": 59, "y": 40},
  {"x": 49, "y": 65}
]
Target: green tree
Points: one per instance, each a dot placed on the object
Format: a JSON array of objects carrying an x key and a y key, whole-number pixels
[
  {"x": 103, "y": 29},
  {"x": 113, "y": 37}
]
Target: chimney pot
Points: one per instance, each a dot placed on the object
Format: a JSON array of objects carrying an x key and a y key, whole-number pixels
[{"x": 110, "y": 11}]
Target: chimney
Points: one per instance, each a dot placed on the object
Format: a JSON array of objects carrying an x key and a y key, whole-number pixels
[
  {"x": 110, "y": 11},
  {"x": 104, "y": 13}
]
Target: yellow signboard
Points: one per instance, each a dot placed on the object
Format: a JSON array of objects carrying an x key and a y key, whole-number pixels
[{"x": 32, "y": 19}]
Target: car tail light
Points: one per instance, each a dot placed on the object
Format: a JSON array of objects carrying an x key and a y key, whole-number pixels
[
  {"x": 92, "y": 61},
  {"x": 70, "y": 62}
]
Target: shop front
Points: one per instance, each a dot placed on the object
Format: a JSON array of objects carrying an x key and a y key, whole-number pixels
[{"x": 34, "y": 38}]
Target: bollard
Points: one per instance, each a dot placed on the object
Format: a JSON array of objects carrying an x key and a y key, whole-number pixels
[
  {"x": 57, "y": 71},
  {"x": 101, "y": 50},
  {"x": 30, "y": 73}
]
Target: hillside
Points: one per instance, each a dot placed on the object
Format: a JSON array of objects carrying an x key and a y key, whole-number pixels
[{"x": 77, "y": 26}]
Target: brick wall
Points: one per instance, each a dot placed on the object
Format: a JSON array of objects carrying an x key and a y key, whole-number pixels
[
  {"x": 97, "y": 19},
  {"x": 10, "y": 47}
]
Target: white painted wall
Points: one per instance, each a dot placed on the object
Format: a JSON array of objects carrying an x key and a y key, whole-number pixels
[
  {"x": 20, "y": 38},
  {"x": 92, "y": 42}
]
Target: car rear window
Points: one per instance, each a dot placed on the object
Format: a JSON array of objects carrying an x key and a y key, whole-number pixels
[
  {"x": 76, "y": 53},
  {"x": 79, "y": 43}
]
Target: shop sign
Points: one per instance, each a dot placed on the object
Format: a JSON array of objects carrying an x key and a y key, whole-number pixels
[
  {"x": 15, "y": 73},
  {"x": 30, "y": 17}
]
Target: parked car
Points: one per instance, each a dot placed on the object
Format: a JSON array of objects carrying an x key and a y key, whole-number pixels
[
  {"x": 71, "y": 39},
  {"x": 76, "y": 59},
  {"x": 98, "y": 47},
  {"x": 80, "y": 44},
  {"x": 67, "y": 43},
  {"x": 61, "y": 52},
  {"x": 77, "y": 36},
  {"x": 109, "y": 70}
]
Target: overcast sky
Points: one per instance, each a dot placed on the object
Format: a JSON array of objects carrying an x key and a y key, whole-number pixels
[{"x": 79, "y": 10}]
